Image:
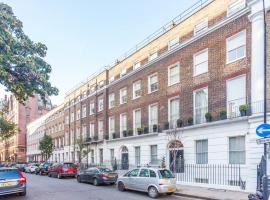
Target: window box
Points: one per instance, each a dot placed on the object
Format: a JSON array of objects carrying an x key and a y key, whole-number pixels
[
  {"x": 223, "y": 114},
  {"x": 243, "y": 110},
  {"x": 125, "y": 133},
  {"x": 155, "y": 128},
  {"x": 208, "y": 117},
  {"x": 139, "y": 131},
  {"x": 130, "y": 132},
  {"x": 190, "y": 120},
  {"x": 179, "y": 123}
]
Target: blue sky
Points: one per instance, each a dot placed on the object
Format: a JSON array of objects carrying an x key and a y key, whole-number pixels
[{"x": 83, "y": 36}]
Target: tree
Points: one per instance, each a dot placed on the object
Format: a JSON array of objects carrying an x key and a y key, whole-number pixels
[
  {"x": 23, "y": 70},
  {"x": 46, "y": 147},
  {"x": 82, "y": 149}
]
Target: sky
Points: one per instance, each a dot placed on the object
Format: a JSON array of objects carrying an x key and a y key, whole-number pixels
[{"x": 83, "y": 36}]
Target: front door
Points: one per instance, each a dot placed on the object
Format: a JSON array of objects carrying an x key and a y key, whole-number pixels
[
  {"x": 124, "y": 161},
  {"x": 177, "y": 160}
]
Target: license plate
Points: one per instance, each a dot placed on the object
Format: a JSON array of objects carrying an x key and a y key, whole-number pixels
[
  {"x": 170, "y": 189},
  {"x": 7, "y": 184},
  {"x": 70, "y": 172},
  {"x": 111, "y": 176}
]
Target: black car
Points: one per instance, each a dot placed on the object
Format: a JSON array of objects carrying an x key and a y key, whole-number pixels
[
  {"x": 97, "y": 176},
  {"x": 12, "y": 181},
  {"x": 43, "y": 168}
]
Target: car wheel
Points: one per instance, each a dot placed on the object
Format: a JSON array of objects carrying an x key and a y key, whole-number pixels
[
  {"x": 79, "y": 179},
  {"x": 169, "y": 193},
  {"x": 121, "y": 187},
  {"x": 95, "y": 182},
  {"x": 59, "y": 176},
  {"x": 152, "y": 192},
  {"x": 22, "y": 193}
]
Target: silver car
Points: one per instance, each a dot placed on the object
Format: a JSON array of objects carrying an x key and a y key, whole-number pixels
[{"x": 154, "y": 181}]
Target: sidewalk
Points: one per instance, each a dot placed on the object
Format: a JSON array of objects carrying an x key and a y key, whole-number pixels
[{"x": 210, "y": 193}]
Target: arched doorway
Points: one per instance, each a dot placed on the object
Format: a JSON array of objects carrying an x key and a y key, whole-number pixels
[
  {"x": 176, "y": 156},
  {"x": 124, "y": 158}
]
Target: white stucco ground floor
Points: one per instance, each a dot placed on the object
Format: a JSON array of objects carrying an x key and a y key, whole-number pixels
[{"x": 222, "y": 154}]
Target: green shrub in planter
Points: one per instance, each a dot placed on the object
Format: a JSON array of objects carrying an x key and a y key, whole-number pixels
[
  {"x": 125, "y": 133},
  {"x": 113, "y": 135},
  {"x": 179, "y": 123},
  {"x": 223, "y": 114},
  {"x": 146, "y": 129},
  {"x": 155, "y": 128},
  {"x": 208, "y": 117},
  {"x": 190, "y": 120},
  {"x": 130, "y": 132},
  {"x": 139, "y": 131},
  {"x": 166, "y": 125},
  {"x": 243, "y": 110}
]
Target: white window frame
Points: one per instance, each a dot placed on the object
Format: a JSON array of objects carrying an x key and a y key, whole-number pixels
[
  {"x": 244, "y": 151},
  {"x": 195, "y": 73},
  {"x": 111, "y": 100},
  {"x": 111, "y": 126},
  {"x": 149, "y": 83},
  {"x": 173, "y": 43},
  {"x": 170, "y": 83},
  {"x": 149, "y": 117},
  {"x": 137, "y": 150},
  {"x": 92, "y": 108},
  {"x": 198, "y": 31},
  {"x": 123, "y": 98},
  {"x": 122, "y": 126},
  {"x": 92, "y": 129},
  {"x": 100, "y": 129},
  {"x": 111, "y": 79},
  {"x": 100, "y": 104},
  {"x": 152, "y": 55},
  {"x": 245, "y": 46},
  {"x": 136, "y": 65},
  {"x": 134, "y": 120},
  {"x": 201, "y": 156},
  {"x": 194, "y": 107},
  {"x": 153, "y": 161},
  {"x": 123, "y": 72},
  {"x": 238, "y": 4},
  {"x": 84, "y": 110},
  {"x": 169, "y": 111},
  {"x": 136, "y": 95}
]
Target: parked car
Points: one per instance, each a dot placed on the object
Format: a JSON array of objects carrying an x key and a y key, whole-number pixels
[
  {"x": 154, "y": 181},
  {"x": 31, "y": 168},
  {"x": 21, "y": 166},
  {"x": 12, "y": 181},
  {"x": 97, "y": 176},
  {"x": 61, "y": 170},
  {"x": 43, "y": 168}
]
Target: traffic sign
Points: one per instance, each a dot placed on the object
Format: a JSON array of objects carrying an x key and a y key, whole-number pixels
[
  {"x": 263, "y": 130},
  {"x": 263, "y": 140}
]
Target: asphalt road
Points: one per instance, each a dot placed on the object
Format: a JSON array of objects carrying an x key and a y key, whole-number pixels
[{"x": 45, "y": 188}]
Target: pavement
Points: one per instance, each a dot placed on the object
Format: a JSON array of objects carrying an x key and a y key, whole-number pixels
[{"x": 45, "y": 188}]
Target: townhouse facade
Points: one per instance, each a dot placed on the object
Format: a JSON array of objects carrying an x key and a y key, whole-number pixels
[
  {"x": 14, "y": 149},
  {"x": 190, "y": 96}
]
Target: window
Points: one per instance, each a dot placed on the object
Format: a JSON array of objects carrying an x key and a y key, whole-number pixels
[
  {"x": 100, "y": 129},
  {"x": 137, "y": 156},
  {"x": 112, "y": 156},
  {"x": 84, "y": 132},
  {"x": 66, "y": 138},
  {"x": 78, "y": 133},
  {"x": 133, "y": 173},
  {"x": 100, "y": 156},
  {"x": 137, "y": 120},
  {"x": 72, "y": 137},
  {"x": 100, "y": 103},
  {"x": 111, "y": 100},
  {"x": 123, "y": 95},
  {"x": 78, "y": 114},
  {"x": 84, "y": 111},
  {"x": 236, "y": 47},
  {"x": 144, "y": 173},
  {"x": 201, "y": 26},
  {"x": 201, "y": 151},
  {"x": 152, "y": 174},
  {"x": 173, "y": 43},
  {"x": 136, "y": 65},
  {"x": 137, "y": 89},
  {"x": 237, "y": 152},
  {"x": 153, "y": 159},
  {"x": 92, "y": 156},
  {"x": 92, "y": 108},
  {"x": 236, "y": 95},
  {"x": 152, "y": 83},
  {"x": 173, "y": 74},
  {"x": 153, "y": 116},
  {"x": 123, "y": 72},
  {"x": 152, "y": 56},
  {"x": 67, "y": 120},
  {"x": 111, "y": 79},
  {"x": 72, "y": 117},
  {"x": 123, "y": 123},
  {"x": 200, "y": 105},
  {"x": 174, "y": 111},
  {"x": 92, "y": 130},
  {"x": 235, "y": 6},
  {"x": 200, "y": 63},
  {"x": 111, "y": 126}
]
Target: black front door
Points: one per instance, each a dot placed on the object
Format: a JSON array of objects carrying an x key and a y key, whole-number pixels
[
  {"x": 177, "y": 160},
  {"x": 124, "y": 161}
]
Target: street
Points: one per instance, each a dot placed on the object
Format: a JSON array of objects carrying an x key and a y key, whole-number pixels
[{"x": 45, "y": 188}]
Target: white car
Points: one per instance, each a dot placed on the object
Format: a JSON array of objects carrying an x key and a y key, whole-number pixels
[{"x": 31, "y": 168}]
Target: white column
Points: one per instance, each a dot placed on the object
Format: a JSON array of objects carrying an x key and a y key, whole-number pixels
[{"x": 257, "y": 51}]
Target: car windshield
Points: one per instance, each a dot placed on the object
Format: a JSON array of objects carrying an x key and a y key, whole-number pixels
[
  {"x": 164, "y": 173},
  {"x": 69, "y": 165},
  {"x": 9, "y": 174},
  {"x": 106, "y": 170}
]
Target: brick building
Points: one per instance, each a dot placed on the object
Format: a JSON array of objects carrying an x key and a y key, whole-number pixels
[
  {"x": 15, "y": 148},
  {"x": 151, "y": 105}
]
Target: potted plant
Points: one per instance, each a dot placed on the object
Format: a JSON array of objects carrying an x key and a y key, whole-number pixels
[
  {"x": 166, "y": 125},
  {"x": 114, "y": 165},
  {"x": 125, "y": 133},
  {"x": 139, "y": 131},
  {"x": 243, "y": 110},
  {"x": 155, "y": 128},
  {"x": 179, "y": 123},
  {"x": 208, "y": 117},
  {"x": 95, "y": 137},
  {"x": 145, "y": 129},
  {"x": 223, "y": 114},
  {"x": 113, "y": 135},
  {"x": 190, "y": 120},
  {"x": 106, "y": 137},
  {"x": 130, "y": 132}
]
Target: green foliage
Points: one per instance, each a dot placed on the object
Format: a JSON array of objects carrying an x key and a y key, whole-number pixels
[
  {"x": 208, "y": 116},
  {"x": 7, "y": 129},
  {"x": 82, "y": 148},
  {"x": 23, "y": 70},
  {"x": 243, "y": 107},
  {"x": 163, "y": 162},
  {"x": 46, "y": 146}
]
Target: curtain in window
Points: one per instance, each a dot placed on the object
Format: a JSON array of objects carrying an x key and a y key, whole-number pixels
[
  {"x": 202, "y": 151},
  {"x": 174, "y": 111},
  {"x": 237, "y": 153},
  {"x": 201, "y": 105}
]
